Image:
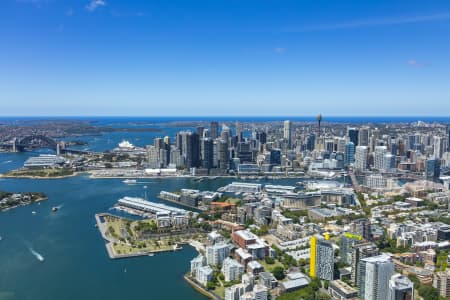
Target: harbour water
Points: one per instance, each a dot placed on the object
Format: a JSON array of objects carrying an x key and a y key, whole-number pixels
[{"x": 76, "y": 264}]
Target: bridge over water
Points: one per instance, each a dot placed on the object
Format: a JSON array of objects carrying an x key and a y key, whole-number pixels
[{"x": 39, "y": 141}]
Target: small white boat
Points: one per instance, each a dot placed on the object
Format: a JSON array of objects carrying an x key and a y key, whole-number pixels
[
  {"x": 151, "y": 254},
  {"x": 129, "y": 181},
  {"x": 37, "y": 255},
  {"x": 33, "y": 212}
]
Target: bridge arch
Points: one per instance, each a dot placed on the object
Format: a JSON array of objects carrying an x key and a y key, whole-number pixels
[{"x": 45, "y": 142}]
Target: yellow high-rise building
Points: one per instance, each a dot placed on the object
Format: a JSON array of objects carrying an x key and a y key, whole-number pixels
[{"x": 312, "y": 255}]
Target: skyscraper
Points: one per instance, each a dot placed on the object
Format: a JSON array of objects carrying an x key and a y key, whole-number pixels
[
  {"x": 223, "y": 157},
  {"x": 361, "y": 154},
  {"x": 319, "y": 122},
  {"x": 288, "y": 132},
  {"x": 353, "y": 135},
  {"x": 214, "y": 130},
  {"x": 200, "y": 130},
  {"x": 311, "y": 142},
  {"x": 438, "y": 147},
  {"x": 190, "y": 148},
  {"x": 360, "y": 251},
  {"x": 226, "y": 133},
  {"x": 400, "y": 288},
  {"x": 376, "y": 271},
  {"x": 448, "y": 138},
  {"x": 239, "y": 131},
  {"x": 261, "y": 136},
  {"x": 363, "y": 136},
  {"x": 207, "y": 153},
  {"x": 349, "y": 153},
  {"x": 321, "y": 258},
  {"x": 433, "y": 169}
]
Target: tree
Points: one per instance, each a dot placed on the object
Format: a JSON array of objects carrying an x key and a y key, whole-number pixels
[
  {"x": 278, "y": 272},
  {"x": 269, "y": 260},
  {"x": 302, "y": 262}
]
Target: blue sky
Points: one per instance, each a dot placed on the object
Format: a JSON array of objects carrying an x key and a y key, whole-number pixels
[{"x": 231, "y": 57}]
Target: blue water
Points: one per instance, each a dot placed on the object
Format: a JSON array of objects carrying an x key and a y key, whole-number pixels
[{"x": 76, "y": 264}]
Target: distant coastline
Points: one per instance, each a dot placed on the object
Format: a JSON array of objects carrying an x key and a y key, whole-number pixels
[{"x": 167, "y": 119}]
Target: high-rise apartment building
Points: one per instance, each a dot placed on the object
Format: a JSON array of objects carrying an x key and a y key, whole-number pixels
[
  {"x": 441, "y": 281},
  {"x": 361, "y": 154},
  {"x": 400, "y": 288},
  {"x": 374, "y": 277},
  {"x": 287, "y": 132},
  {"x": 360, "y": 251},
  {"x": 321, "y": 258},
  {"x": 217, "y": 253}
]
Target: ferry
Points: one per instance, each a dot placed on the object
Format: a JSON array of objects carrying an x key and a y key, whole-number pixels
[{"x": 129, "y": 181}]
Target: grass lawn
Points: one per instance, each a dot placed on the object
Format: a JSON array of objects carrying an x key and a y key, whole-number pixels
[
  {"x": 269, "y": 268},
  {"x": 220, "y": 290}
]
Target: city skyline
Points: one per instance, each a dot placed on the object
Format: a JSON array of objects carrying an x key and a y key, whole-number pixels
[{"x": 387, "y": 58}]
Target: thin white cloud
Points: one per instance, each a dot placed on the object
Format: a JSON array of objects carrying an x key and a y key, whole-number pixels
[
  {"x": 415, "y": 63},
  {"x": 371, "y": 23},
  {"x": 279, "y": 50},
  {"x": 94, "y": 4},
  {"x": 116, "y": 13},
  {"x": 70, "y": 12}
]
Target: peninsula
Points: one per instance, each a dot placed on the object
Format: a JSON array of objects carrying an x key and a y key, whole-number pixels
[{"x": 9, "y": 200}]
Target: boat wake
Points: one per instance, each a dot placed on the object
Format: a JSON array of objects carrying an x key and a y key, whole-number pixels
[{"x": 36, "y": 254}]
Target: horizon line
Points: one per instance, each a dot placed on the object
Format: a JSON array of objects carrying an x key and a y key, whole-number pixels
[{"x": 224, "y": 116}]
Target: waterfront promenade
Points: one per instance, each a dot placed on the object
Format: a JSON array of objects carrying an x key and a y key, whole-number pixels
[{"x": 201, "y": 290}]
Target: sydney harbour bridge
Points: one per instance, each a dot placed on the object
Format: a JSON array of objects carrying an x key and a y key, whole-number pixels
[{"x": 38, "y": 141}]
